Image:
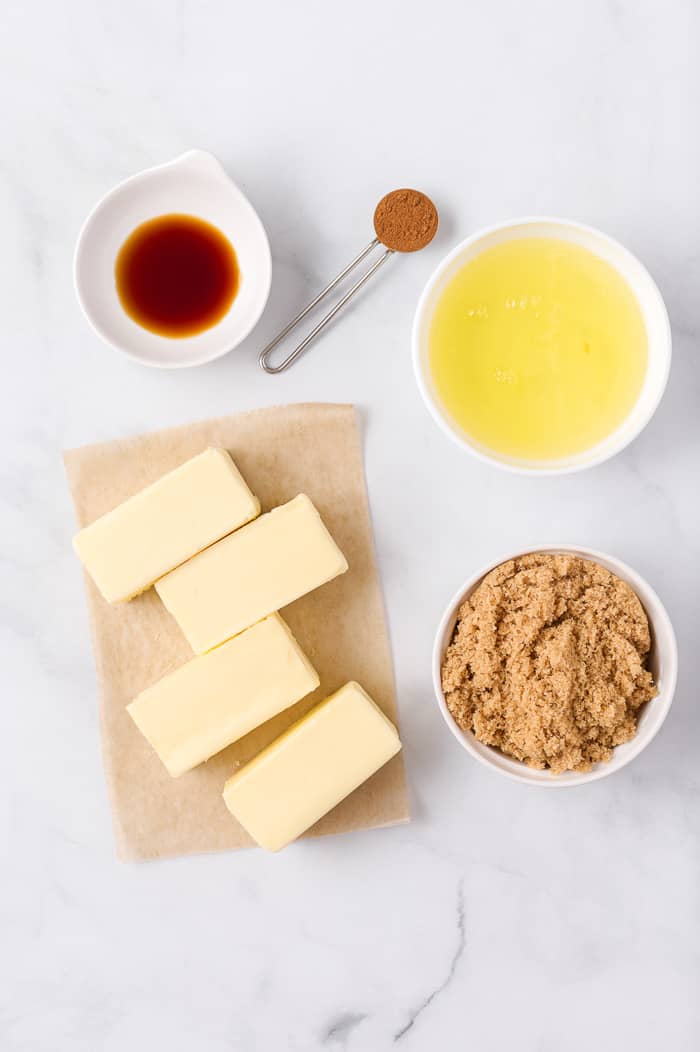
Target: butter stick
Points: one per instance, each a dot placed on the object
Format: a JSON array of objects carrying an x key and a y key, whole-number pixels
[
  {"x": 261, "y": 568},
  {"x": 215, "y": 699},
  {"x": 129, "y": 548},
  {"x": 314, "y": 765}
]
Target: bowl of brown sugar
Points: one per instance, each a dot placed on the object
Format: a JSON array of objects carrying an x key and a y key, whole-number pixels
[{"x": 555, "y": 665}]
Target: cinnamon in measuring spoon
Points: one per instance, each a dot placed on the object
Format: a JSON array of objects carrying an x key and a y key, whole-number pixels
[{"x": 405, "y": 220}]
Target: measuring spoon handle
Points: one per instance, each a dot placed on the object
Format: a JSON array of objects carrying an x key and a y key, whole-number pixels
[{"x": 300, "y": 348}]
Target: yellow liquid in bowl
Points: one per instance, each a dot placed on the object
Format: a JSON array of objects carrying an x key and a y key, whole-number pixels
[{"x": 537, "y": 349}]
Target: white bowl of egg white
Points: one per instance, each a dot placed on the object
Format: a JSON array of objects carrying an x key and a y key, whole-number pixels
[
  {"x": 662, "y": 663},
  {"x": 651, "y": 307},
  {"x": 193, "y": 185}
]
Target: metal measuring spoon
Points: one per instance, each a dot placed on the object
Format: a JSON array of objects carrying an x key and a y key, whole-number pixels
[{"x": 404, "y": 221}]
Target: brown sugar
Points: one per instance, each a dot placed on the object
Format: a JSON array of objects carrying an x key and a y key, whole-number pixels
[
  {"x": 405, "y": 220},
  {"x": 548, "y": 662}
]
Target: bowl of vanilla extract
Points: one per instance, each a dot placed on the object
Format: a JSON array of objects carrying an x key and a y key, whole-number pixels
[{"x": 173, "y": 266}]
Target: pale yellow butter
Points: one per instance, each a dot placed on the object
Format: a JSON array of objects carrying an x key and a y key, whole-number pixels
[
  {"x": 215, "y": 699},
  {"x": 129, "y": 548},
  {"x": 261, "y": 568},
  {"x": 312, "y": 767}
]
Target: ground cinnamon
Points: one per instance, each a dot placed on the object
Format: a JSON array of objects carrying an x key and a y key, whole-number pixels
[{"x": 405, "y": 220}]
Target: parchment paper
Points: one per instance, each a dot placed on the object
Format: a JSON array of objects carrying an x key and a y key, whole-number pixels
[{"x": 280, "y": 451}]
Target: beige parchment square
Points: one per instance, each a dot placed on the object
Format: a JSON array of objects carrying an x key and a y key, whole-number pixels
[{"x": 281, "y": 451}]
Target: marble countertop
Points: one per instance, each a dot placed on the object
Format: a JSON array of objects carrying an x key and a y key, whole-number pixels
[{"x": 502, "y": 916}]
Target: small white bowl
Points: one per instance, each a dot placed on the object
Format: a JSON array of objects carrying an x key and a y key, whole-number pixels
[
  {"x": 651, "y": 305},
  {"x": 194, "y": 184},
  {"x": 663, "y": 662}
]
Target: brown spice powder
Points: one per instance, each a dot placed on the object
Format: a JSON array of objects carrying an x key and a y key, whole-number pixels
[
  {"x": 405, "y": 220},
  {"x": 547, "y": 662}
]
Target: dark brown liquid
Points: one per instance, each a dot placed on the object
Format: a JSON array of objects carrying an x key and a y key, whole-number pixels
[{"x": 176, "y": 275}]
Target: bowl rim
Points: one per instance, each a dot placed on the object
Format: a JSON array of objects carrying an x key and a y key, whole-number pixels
[
  {"x": 602, "y": 451},
  {"x": 663, "y": 701},
  {"x": 203, "y": 160}
]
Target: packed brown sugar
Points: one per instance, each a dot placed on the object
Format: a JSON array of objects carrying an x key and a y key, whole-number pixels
[{"x": 548, "y": 662}]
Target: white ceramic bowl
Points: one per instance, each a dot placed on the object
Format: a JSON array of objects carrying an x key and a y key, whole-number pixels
[
  {"x": 663, "y": 662},
  {"x": 651, "y": 305},
  {"x": 195, "y": 184}
]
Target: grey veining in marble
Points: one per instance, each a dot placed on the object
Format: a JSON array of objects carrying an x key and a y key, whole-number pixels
[{"x": 503, "y": 916}]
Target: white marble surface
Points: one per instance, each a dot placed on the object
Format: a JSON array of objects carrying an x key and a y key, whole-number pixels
[{"x": 503, "y": 916}]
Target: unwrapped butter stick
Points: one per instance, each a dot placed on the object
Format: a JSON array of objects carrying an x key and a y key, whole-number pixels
[
  {"x": 215, "y": 699},
  {"x": 129, "y": 548},
  {"x": 261, "y": 568},
  {"x": 311, "y": 767}
]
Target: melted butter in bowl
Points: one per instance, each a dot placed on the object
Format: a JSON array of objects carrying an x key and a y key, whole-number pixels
[
  {"x": 538, "y": 348},
  {"x": 541, "y": 346}
]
